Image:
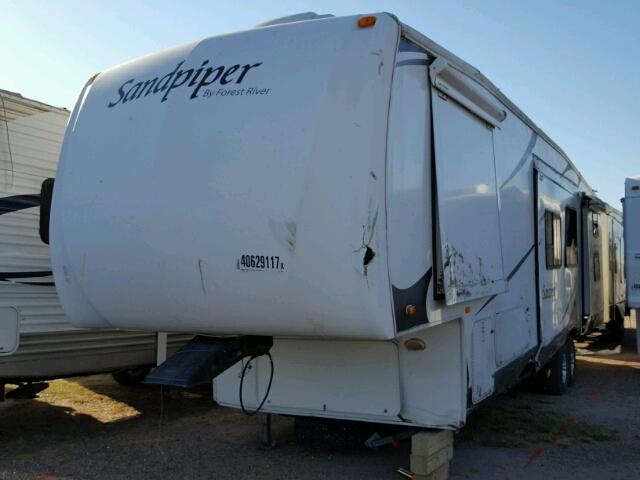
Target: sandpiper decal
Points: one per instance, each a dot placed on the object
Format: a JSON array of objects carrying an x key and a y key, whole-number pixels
[{"x": 197, "y": 79}]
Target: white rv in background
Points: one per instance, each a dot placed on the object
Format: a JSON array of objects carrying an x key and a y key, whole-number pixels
[
  {"x": 631, "y": 208},
  {"x": 37, "y": 341},
  {"x": 386, "y": 235},
  {"x": 604, "y": 300}
]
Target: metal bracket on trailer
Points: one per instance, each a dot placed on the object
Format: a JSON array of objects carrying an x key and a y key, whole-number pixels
[{"x": 376, "y": 441}]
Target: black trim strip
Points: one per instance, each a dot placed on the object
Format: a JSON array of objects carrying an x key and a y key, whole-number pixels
[
  {"x": 39, "y": 273},
  {"x": 409, "y": 46},
  {"x": 512, "y": 373},
  {"x": 548, "y": 351},
  {"x": 11, "y": 276},
  {"x": 415, "y": 295},
  {"x": 522, "y": 260},
  {"x": 510, "y": 276},
  {"x": 523, "y": 160},
  {"x": 559, "y": 185},
  {"x": 435, "y": 219},
  {"x": 584, "y": 258},
  {"x": 489, "y": 300},
  {"x": 558, "y": 172},
  {"x": 18, "y": 202},
  {"x": 569, "y": 168},
  {"x": 561, "y": 174},
  {"x": 416, "y": 61},
  {"x": 536, "y": 235}
]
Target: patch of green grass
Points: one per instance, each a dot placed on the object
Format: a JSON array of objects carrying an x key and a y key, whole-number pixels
[{"x": 515, "y": 426}]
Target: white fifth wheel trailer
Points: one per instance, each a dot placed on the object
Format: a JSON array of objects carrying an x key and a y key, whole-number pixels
[
  {"x": 604, "y": 300},
  {"x": 364, "y": 226},
  {"x": 631, "y": 208},
  {"x": 37, "y": 341}
]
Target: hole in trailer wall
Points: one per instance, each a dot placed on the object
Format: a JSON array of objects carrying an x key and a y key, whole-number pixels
[{"x": 368, "y": 256}]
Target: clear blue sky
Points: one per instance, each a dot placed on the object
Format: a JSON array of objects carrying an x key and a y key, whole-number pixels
[{"x": 572, "y": 66}]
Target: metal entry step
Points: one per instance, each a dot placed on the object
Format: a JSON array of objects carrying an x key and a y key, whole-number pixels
[{"x": 204, "y": 358}]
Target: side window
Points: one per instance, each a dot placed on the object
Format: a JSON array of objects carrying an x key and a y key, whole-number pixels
[
  {"x": 623, "y": 270},
  {"x": 620, "y": 261},
  {"x": 552, "y": 239},
  {"x": 596, "y": 266},
  {"x": 595, "y": 219},
  {"x": 571, "y": 237}
]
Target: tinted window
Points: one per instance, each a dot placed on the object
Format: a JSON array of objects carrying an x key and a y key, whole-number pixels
[
  {"x": 620, "y": 261},
  {"x": 595, "y": 218},
  {"x": 571, "y": 237},
  {"x": 552, "y": 239}
]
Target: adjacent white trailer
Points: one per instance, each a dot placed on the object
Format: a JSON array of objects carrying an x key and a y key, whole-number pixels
[
  {"x": 631, "y": 207},
  {"x": 37, "y": 341},
  {"x": 408, "y": 239}
]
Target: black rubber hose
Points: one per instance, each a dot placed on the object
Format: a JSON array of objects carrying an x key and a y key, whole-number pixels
[{"x": 244, "y": 371}]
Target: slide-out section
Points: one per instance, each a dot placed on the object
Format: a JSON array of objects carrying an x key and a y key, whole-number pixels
[{"x": 470, "y": 253}]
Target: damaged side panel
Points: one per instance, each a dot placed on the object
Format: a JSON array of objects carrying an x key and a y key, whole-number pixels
[
  {"x": 467, "y": 202},
  {"x": 285, "y": 231},
  {"x": 365, "y": 253}
]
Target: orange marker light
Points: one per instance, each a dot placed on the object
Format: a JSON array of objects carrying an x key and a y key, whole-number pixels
[
  {"x": 410, "y": 310},
  {"x": 467, "y": 309},
  {"x": 366, "y": 22}
]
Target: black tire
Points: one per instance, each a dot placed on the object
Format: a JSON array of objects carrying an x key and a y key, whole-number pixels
[
  {"x": 616, "y": 326},
  {"x": 332, "y": 434},
  {"x": 46, "y": 194},
  {"x": 131, "y": 375},
  {"x": 571, "y": 361},
  {"x": 556, "y": 373}
]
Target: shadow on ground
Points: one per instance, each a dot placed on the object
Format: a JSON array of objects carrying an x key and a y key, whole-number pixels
[
  {"x": 92, "y": 427},
  {"x": 88, "y": 406}
]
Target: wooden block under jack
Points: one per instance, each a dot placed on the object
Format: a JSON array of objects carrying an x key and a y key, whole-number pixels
[
  {"x": 441, "y": 473},
  {"x": 428, "y": 443},
  {"x": 431, "y": 452},
  {"x": 424, "y": 465},
  {"x": 448, "y": 449}
]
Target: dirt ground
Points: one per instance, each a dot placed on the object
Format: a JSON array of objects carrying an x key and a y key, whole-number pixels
[{"x": 92, "y": 427}]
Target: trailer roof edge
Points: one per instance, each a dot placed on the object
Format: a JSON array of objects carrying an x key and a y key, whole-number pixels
[
  {"x": 439, "y": 51},
  {"x": 35, "y": 103}
]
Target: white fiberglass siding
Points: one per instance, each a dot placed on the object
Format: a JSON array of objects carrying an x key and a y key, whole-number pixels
[
  {"x": 31, "y": 136},
  {"x": 259, "y": 198}
]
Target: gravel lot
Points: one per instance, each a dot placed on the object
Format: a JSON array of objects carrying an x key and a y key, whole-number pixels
[{"x": 92, "y": 427}]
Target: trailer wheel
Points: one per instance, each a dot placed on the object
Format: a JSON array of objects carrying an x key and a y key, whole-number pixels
[
  {"x": 130, "y": 376},
  {"x": 616, "y": 326},
  {"x": 571, "y": 361},
  {"x": 556, "y": 373}
]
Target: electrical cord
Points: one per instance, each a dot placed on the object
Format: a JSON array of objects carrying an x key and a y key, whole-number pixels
[{"x": 244, "y": 371}]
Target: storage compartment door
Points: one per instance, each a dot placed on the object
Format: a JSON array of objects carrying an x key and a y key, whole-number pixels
[
  {"x": 9, "y": 333},
  {"x": 467, "y": 199},
  {"x": 321, "y": 378},
  {"x": 483, "y": 359}
]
